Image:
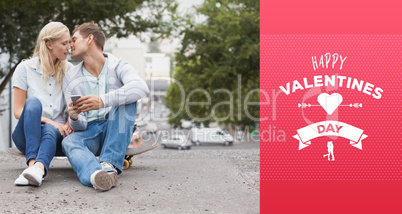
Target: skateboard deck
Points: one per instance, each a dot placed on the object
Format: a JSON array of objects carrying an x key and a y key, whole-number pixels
[
  {"x": 136, "y": 147},
  {"x": 130, "y": 152},
  {"x": 133, "y": 149}
]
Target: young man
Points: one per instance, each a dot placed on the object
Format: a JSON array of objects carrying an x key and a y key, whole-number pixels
[{"x": 104, "y": 115}]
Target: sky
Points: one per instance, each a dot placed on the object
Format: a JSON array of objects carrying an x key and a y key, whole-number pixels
[{"x": 186, "y": 5}]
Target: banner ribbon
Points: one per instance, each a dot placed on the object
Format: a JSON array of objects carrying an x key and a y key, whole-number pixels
[{"x": 330, "y": 128}]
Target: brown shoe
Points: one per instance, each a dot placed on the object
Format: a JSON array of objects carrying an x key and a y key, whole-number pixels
[{"x": 103, "y": 180}]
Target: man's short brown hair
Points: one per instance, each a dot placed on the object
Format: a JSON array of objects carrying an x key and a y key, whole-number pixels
[{"x": 91, "y": 28}]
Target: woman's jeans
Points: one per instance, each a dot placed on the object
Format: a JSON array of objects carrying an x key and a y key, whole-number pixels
[{"x": 35, "y": 140}]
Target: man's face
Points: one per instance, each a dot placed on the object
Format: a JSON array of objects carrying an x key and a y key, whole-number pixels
[{"x": 79, "y": 46}]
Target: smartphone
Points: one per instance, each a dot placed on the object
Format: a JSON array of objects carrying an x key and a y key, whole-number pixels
[{"x": 74, "y": 98}]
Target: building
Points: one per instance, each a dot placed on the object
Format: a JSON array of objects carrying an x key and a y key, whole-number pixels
[
  {"x": 129, "y": 49},
  {"x": 157, "y": 65}
]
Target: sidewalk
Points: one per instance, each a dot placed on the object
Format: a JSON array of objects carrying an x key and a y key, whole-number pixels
[{"x": 159, "y": 181}]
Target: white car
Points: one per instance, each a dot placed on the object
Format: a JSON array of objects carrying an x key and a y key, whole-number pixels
[
  {"x": 210, "y": 135},
  {"x": 176, "y": 141},
  {"x": 151, "y": 128},
  {"x": 186, "y": 124}
]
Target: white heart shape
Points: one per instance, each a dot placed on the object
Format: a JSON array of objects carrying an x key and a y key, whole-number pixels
[{"x": 329, "y": 102}]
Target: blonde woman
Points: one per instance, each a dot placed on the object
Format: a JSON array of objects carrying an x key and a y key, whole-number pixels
[{"x": 39, "y": 103}]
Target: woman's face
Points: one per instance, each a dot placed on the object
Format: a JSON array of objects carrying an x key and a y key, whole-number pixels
[{"x": 59, "y": 48}]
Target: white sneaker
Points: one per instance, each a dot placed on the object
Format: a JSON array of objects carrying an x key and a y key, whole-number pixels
[
  {"x": 34, "y": 175},
  {"x": 103, "y": 180},
  {"x": 108, "y": 167},
  {"x": 21, "y": 181}
]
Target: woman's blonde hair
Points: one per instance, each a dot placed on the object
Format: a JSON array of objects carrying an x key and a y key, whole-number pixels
[{"x": 51, "y": 32}]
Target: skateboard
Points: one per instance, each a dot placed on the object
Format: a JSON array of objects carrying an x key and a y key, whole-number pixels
[
  {"x": 136, "y": 147},
  {"x": 132, "y": 150}
]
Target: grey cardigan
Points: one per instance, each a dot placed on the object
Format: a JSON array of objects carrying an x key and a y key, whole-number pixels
[{"x": 124, "y": 87}]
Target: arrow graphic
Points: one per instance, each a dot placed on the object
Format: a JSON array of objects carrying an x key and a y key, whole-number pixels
[{"x": 305, "y": 105}]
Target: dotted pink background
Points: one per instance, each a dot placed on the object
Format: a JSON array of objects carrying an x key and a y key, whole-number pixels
[{"x": 375, "y": 59}]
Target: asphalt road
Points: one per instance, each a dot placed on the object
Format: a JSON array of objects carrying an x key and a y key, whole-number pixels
[
  {"x": 205, "y": 179},
  {"x": 159, "y": 181}
]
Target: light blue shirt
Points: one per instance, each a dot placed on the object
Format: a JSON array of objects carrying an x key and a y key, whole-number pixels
[
  {"x": 97, "y": 86},
  {"x": 124, "y": 87},
  {"x": 28, "y": 77}
]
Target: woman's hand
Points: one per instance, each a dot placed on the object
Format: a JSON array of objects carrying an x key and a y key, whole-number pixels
[
  {"x": 68, "y": 129},
  {"x": 62, "y": 128}
]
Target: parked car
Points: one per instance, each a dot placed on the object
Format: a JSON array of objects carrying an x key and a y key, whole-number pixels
[
  {"x": 186, "y": 124},
  {"x": 210, "y": 135},
  {"x": 176, "y": 141},
  {"x": 151, "y": 128}
]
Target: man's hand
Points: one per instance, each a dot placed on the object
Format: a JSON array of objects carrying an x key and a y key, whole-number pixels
[
  {"x": 90, "y": 102},
  {"x": 73, "y": 111}
]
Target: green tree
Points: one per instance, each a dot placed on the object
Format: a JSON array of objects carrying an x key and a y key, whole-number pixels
[
  {"x": 220, "y": 56},
  {"x": 21, "y": 21}
]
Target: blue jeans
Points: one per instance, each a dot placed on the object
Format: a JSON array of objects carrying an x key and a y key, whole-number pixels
[
  {"x": 107, "y": 139},
  {"x": 36, "y": 141}
]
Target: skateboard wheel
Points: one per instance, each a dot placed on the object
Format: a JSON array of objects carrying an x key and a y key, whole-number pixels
[
  {"x": 126, "y": 165},
  {"x": 130, "y": 161}
]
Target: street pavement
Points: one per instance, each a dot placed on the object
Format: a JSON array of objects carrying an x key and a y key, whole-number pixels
[{"x": 159, "y": 181}]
